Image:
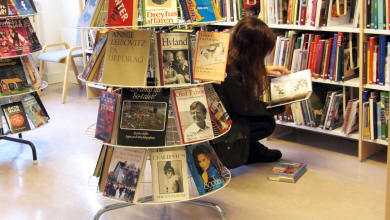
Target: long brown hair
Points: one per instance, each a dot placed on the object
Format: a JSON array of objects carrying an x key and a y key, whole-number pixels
[{"x": 250, "y": 42}]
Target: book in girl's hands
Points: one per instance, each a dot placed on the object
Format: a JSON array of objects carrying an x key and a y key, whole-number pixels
[
  {"x": 157, "y": 12},
  {"x": 218, "y": 112},
  {"x": 34, "y": 111},
  {"x": 125, "y": 174},
  {"x": 143, "y": 116},
  {"x": 16, "y": 117},
  {"x": 106, "y": 115},
  {"x": 211, "y": 55},
  {"x": 169, "y": 176},
  {"x": 287, "y": 172},
  {"x": 204, "y": 168},
  {"x": 192, "y": 117}
]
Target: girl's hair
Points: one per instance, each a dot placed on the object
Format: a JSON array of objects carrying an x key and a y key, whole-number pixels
[{"x": 250, "y": 42}]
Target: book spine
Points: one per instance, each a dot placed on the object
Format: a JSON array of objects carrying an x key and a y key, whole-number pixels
[
  {"x": 368, "y": 14},
  {"x": 318, "y": 59},
  {"x": 382, "y": 59},
  {"x": 302, "y": 17},
  {"x": 365, "y": 60},
  {"x": 333, "y": 57}
]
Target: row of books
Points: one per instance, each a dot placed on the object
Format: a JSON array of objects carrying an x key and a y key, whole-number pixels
[
  {"x": 23, "y": 112},
  {"x": 139, "y": 116},
  {"x": 17, "y": 37},
  {"x": 120, "y": 171},
  {"x": 375, "y": 114},
  {"x": 124, "y": 58},
  {"x": 331, "y": 56},
  {"x": 376, "y": 60},
  {"x": 17, "y": 7},
  {"x": 19, "y": 75},
  {"x": 316, "y": 13},
  {"x": 377, "y": 14}
]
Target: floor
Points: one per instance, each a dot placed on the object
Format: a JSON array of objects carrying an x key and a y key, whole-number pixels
[{"x": 336, "y": 185}]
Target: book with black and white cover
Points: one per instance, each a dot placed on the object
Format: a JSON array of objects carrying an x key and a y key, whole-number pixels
[{"x": 169, "y": 176}]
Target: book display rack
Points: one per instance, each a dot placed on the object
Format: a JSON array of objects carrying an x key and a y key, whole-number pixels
[{"x": 20, "y": 81}]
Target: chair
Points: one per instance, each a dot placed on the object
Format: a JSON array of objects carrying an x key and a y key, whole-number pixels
[{"x": 65, "y": 56}]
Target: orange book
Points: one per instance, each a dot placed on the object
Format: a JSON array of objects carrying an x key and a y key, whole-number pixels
[{"x": 373, "y": 42}]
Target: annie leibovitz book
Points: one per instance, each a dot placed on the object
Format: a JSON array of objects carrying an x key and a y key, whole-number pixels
[
  {"x": 127, "y": 57},
  {"x": 204, "y": 168},
  {"x": 125, "y": 174},
  {"x": 211, "y": 55},
  {"x": 169, "y": 176},
  {"x": 218, "y": 112},
  {"x": 287, "y": 172},
  {"x": 290, "y": 88},
  {"x": 157, "y": 12},
  {"x": 143, "y": 117},
  {"x": 16, "y": 117},
  {"x": 192, "y": 116},
  {"x": 174, "y": 58}
]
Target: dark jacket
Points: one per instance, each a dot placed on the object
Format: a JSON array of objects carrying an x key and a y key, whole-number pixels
[{"x": 233, "y": 147}]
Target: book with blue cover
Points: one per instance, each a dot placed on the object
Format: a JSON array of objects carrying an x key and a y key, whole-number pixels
[
  {"x": 25, "y": 7},
  {"x": 287, "y": 172}
]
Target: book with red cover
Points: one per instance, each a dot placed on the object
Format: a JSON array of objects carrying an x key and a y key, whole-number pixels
[
  {"x": 16, "y": 117},
  {"x": 327, "y": 59},
  {"x": 374, "y": 41},
  {"x": 106, "y": 115},
  {"x": 13, "y": 38},
  {"x": 122, "y": 13},
  {"x": 318, "y": 59}
]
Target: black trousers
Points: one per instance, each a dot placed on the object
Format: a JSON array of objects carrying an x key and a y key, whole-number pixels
[{"x": 261, "y": 127}]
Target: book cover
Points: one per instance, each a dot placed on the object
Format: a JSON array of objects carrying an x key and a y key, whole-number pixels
[
  {"x": 127, "y": 56},
  {"x": 192, "y": 117},
  {"x": 12, "y": 10},
  {"x": 32, "y": 35},
  {"x": 16, "y": 117},
  {"x": 339, "y": 12},
  {"x": 105, "y": 168},
  {"x": 40, "y": 103},
  {"x": 100, "y": 45},
  {"x": 125, "y": 174},
  {"x": 169, "y": 176},
  {"x": 287, "y": 172},
  {"x": 316, "y": 103},
  {"x": 218, "y": 112},
  {"x": 99, "y": 162},
  {"x": 157, "y": 12},
  {"x": 31, "y": 71},
  {"x": 4, "y": 8},
  {"x": 100, "y": 16},
  {"x": 204, "y": 169},
  {"x": 143, "y": 117},
  {"x": 250, "y": 8},
  {"x": 373, "y": 100},
  {"x": 384, "y": 100},
  {"x": 13, "y": 38},
  {"x": 34, "y": 111},
  {"x": 24, "y": 7},
  {"x": 88, "y": 13},
  {"x": 174, "y": 58},
  {"x": 12, "y": 77},
  {"x": 122, "y": 13},
  {"x": 106, "y": 115},
  {"x": 210, "y": 56},
  {"x": 347, "y": 116},
  {"x": 204, "y": 9},
  {"x": 353, "y": 120}
]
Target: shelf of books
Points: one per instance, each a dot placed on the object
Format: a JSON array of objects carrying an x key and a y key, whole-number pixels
[{"x": 21, "y": 107}]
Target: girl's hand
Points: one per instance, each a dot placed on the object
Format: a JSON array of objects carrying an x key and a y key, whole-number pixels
[{"x": 277, "y": 70}]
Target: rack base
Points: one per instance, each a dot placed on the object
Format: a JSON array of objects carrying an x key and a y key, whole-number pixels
[{"x": 34, "y": 152}]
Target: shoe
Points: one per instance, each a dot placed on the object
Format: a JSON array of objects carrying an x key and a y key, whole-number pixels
[{"x": 259, "y": 153}]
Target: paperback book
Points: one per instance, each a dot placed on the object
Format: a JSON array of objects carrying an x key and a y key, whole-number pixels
[
  {"x": 4, "y": 8},
  {"x": 122, "y": 13},
  {"x": 32, "y": 35},
  {"x": 287, "y": 172},
  {"x": 218, "y": 112},
  {"x": 106, "y": 115},
  {"x": 12, "y": 77},
  {"x": 88, "y": 13},
  {"x": 13, "y": 38},
  {"x": 31, "y": 71},
  {"x": 169, "y": 176},
  {"x": 158, "y": 12},
  {"x": 25, "y": 7},
  {"x": 34, "y": 111},
  {"x": 16, "y": 117}
]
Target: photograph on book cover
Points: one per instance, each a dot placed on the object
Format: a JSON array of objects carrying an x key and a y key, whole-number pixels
[
  {"x": 170, "y": 177},
  {"x": 173, "y": 70},
  {"x": 211, "y": 54},
  {"x": 13, "y": 38}
]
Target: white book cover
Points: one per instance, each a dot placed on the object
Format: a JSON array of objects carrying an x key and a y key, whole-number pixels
[
  {"x": 169, "y": 176},
  {"x": 338, "y": 13}
]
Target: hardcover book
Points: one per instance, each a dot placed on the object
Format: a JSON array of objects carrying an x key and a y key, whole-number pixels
[
  {"x": 143, "y": 117},
  {"x": 93, "y": 59},
  {"x": 218, "y": 112},
  {"x": 34, "y": 111},
  {"x": 31, "y": 71},
  {"x": 174, "y": 58},
  {"x": 125, "y": 174},
  {"x": 13, "y": 38},
  {"x": 157, "y": 12},
  {"x": 192, "y": 117},
  {"x": 287, "y": 172},
  {"x": 88, "y": 13},
  {"x": 210, "y": 56},
  {"x": 4, "y": 8},
  {"x": 25, "y": 7},
  {"x": 12, "y": 77},
  {"x": 16, "y": 117},
  {"x": 169, "y": 176},
  {"x": 127, "y": 56},
  {"x": 32, "y": 35},
  {"x": 122, "y": 13},
  {"x": 106, "y": 115},
  {"x": 204, "y": 168}
]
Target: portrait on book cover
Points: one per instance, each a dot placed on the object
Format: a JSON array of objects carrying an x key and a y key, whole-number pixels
[
  {"x": 170, "y": 176},
  {"x": 176, "y": 67},
  {"x": 211, "y": 53}
]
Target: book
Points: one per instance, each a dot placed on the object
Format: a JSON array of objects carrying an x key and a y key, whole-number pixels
[
  {"x": 384, "y": 100},
  {"x": 40, "y": 103},
  {"x": 126, "y": 58},
  {"x": 316, "y": 103},
  {"x": 31, "y": 71},
  {"x": 93, "y": 59},
  {"x": 353, "y": 119},
  {"x": 373, "y": 100},
  {"x": 348, "y": 117},
  {"x": 25, "y": 7},
  {"x": 106, "y": 115},
  {"x": 289, "y": 88},
  {"x": 169, "y": 176},
  {"x": 287, "y": 172},
  {"x": 159, "y": 12},
  {"x": 202, "y": 164},
  {"x": 88, "y": 13},
  {"x": 192, "y": 117},
  {"x": 105, "y": 168},
  {"x": 32, "y": 35},
  {"x": 16, "y": 117},
  {"x": 143, "y": 116},
  {"x": 210, "y": 56},
  {"x": 122, "y": 13},
  {"x": 174, "y": 58},
  {"x": 203, "y": 10},
  {"x": 12, "y": 77},
  {"x": 34, "y": 111},
  {"x": 125, "y": 174},
  {"x": 218, "y": 113},
  {"x": 338, "y": 12},
  {"x": 99, "y": 162},
  {"x": 4, "y": 8},
  {"x": 13, "y": 38},
  {"x": 12, "y": 10}
]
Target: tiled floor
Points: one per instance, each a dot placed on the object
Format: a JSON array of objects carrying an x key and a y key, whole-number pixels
[{"x": 336, "y": 186}]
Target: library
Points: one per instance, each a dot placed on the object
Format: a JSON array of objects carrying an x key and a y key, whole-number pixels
[{"x": 88, "y": 135}]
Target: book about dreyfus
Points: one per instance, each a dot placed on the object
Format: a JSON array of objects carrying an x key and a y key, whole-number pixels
[
  {"x": 16, "y": 117},
  {"x": 159, "y": 12},
  {"x": 211, "y": 56},
  {"x": 143, "y": 116},
  {"x": 193, "y": 117},
  {"x": 13, "y": 38},
  {"x": 106, "y": 115}
]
